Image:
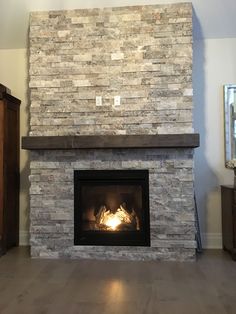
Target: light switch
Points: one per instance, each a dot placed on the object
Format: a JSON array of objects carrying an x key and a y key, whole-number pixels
[
  {"x": 117, "y": 101},
  {"x": 98, "y": 100}
]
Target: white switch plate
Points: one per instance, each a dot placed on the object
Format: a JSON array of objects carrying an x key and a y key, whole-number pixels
[
  {"x": 98, "y": 100},
  {"x": 117, "y": 101}
]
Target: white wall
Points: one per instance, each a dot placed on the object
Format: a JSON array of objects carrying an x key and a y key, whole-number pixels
[
  {"x": 13, "y": 74},
  {"x": 214, "y": 65}
]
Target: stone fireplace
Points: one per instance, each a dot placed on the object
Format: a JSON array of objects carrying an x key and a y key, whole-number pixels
[{"x": 137, "y": 155}]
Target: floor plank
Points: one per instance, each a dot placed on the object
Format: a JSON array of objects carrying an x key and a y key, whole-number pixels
[{"x": 44, "y": 286}]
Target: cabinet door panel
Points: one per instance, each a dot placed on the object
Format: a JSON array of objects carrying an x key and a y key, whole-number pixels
[
  {"x": 1, "y": 172},
  {"x": 9, "y": 170},
  {"x": 11, "y": 176},
  {"x": 227, "y": 197}
]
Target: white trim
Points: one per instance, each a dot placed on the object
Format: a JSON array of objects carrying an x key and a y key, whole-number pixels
[
  {"x": 24, "y": 238},
  {"x": 211, "y": 240}
]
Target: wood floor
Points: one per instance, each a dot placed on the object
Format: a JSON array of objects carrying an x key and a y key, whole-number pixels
[{"x": 111, "y": 287}]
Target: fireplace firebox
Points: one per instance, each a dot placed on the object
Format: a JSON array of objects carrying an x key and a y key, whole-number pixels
[{"x": 111, "y": 207}]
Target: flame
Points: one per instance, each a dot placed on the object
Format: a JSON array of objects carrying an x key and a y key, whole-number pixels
[{"x": 112, "y": 222}]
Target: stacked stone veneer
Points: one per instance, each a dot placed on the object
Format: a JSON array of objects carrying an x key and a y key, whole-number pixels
[
  {"x": 171, "y": 202},
  {"x": 144, "y": 55}
]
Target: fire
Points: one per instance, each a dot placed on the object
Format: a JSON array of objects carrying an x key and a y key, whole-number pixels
[
  {"x": 112, "y": 221},
  {"x": 120, "y": 219}
]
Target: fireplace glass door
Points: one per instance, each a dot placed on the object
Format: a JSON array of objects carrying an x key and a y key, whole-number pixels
[{"x": 111, "y": 207}]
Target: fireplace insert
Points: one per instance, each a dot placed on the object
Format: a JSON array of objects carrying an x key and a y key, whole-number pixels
[{"x": 111, "y": 207}]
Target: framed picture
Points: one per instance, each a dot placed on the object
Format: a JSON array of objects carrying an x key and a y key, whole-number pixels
[{"x": 230, "y": 124}]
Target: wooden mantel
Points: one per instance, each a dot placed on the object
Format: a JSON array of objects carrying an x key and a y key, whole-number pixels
[{"x": 110, "y": 141}]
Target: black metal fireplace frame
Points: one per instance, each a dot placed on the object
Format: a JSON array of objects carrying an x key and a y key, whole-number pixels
[{"x": 108, "y": 177}]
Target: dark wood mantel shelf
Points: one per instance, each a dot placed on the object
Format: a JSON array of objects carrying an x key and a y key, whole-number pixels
[{"x": 110, "y": 141}]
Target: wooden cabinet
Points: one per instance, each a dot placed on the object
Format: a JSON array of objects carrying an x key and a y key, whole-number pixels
[
  {"x": 228, "y": 203},
  {"x": 9, "y": 170}
]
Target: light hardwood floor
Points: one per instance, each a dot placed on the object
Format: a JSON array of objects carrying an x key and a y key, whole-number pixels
[{"x": 112, "y": 287}]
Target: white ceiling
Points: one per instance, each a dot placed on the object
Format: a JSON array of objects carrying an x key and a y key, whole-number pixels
[{"x": 212, "y": 18}]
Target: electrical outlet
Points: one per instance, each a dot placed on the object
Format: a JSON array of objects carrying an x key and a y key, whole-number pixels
[
  {"x": 98, "y": 100},
  {"x": 117, "y": 101}
]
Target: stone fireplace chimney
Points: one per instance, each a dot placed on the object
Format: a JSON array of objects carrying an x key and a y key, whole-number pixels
[{"x": 111, "y": 89}]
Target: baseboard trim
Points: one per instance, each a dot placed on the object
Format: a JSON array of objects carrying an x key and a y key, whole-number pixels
[
  {"x": 211, "y": 240},
  {"x": 24, "y": 238}
]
